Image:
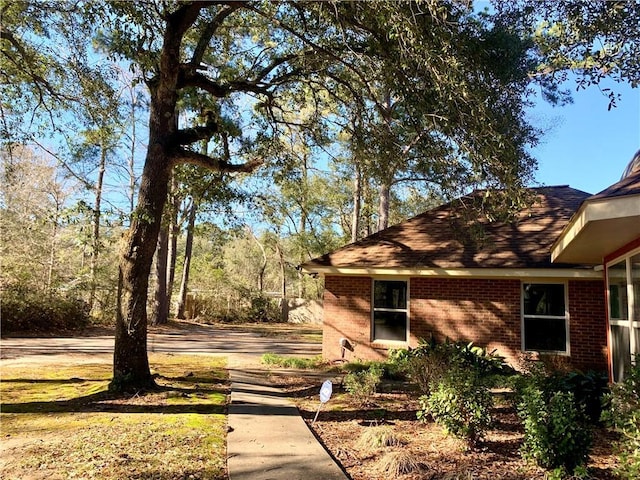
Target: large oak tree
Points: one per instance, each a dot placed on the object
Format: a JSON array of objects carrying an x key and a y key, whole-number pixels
[{"x": 458, "y": 81}]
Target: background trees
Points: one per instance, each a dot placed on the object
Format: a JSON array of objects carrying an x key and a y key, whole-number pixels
[{"x": 333, "y": 119}]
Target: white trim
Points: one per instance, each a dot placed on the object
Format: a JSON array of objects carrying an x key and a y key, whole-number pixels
[
  {"x": 631, "y": 323},
  {"x": 590, "y": 212},
  {"x": 539, "y": 281},
  {"x": 512, "y": 273},
  {"x": 623, "y": 323},
  {"x": 624, "y": 256}
]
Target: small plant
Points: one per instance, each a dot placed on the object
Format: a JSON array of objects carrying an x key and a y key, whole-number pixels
[
  {"x": 398, "y": 462},
  {"x": 623, "y": 413},
  {"x": 557, "y": 432},
  {"x": 362, "y": 385},
  {"x": 461, "y": 403},
  {"x": 374, "y": 438}
]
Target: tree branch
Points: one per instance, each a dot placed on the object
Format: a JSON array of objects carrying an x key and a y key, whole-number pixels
[
  {"x": 198, "y": 80},
  {"x": 210, "y": 30},
  {"x": 189, "y": 136},
  {"x": 215, "y": 164},
  {"x": 41, "y": 84}
]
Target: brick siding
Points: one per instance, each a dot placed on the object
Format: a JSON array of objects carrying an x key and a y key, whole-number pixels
[
  {"x": 588, "y": 327},
  {"x": 484, "y": 311}
]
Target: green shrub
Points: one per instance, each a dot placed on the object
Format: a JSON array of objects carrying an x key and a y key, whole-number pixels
[
  {"x": 623, "y": 414},
  {"x": 263, "y": 310},
  {"x": 461, "y": 403},
  {"x": 589, "y": 390},
  {"x": 428, "y": 363},
  {"x": 557, "y": 432},
  {"x": 390, "y": 370},
  {"x": 28, "y": 310},
  {"x": 362, "y": 385}
]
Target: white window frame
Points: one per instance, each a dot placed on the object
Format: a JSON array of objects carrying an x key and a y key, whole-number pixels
[
  {"x": 567, "y": 351},
  {"x": 374, "y": 309},
  {"x": 631, "y": 322}
]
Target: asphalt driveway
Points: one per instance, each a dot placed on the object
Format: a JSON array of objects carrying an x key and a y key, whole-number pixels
[{"x": 209, "y": 340}]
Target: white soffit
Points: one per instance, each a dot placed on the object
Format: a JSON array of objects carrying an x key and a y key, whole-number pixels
[
  {"x": 577, "y": 273},
  {"x": 599, "y": 228}
]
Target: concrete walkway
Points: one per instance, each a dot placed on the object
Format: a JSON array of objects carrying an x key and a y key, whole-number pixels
[{"x": 268, "y": 439}]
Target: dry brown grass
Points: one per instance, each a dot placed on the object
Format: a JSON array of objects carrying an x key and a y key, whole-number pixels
[
  {"x": 398, "y": 462},
  {"x": 374, "y": 438}
]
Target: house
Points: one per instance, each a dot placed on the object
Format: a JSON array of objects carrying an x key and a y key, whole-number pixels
[{"x": 561, "y": 280}]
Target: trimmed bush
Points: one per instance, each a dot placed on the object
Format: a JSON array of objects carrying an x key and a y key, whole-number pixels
[
  {"x": 263, "y": 310},
  {"x": 461, "y": 403},
  {"x": 589, "y": 390},
  {"x": 557, "y": 431},
  {"x": 362, "y": 385}
]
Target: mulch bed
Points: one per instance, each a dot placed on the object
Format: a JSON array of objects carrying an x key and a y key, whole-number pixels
[{"x": 440, "y": 456}]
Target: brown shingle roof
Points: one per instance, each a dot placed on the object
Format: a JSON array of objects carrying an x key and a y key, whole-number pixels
[
  {"x": 435, "y": 239},
  {"x": 629, "y": 185}
]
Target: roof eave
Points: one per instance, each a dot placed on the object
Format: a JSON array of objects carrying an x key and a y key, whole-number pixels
[
  {"x": 599, "y": 227},
  {"x": 575, "y": 273}
]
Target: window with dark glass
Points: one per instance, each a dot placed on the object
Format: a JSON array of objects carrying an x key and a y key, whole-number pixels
[
  {"x": 390, "y": 310},
  {"x": 545, "y": 317}
]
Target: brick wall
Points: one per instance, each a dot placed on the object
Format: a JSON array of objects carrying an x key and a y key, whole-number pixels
[
  {"x": 588, "y": 327},
  {"x": 484, "y": 311},
  {"x": 347, "y": 314}
]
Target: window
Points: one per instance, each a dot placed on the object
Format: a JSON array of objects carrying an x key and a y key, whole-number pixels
[
  {"x": 390, "y": 310},
  {"x": 545, "y": 317},
  {"x": 623, "y": 280}
]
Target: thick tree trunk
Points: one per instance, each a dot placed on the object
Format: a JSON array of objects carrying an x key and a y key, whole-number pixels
[
  {"x": 130, "y": 361},
  {"x": 188, "y": 249},
  {"x": 161, "y": 304}
]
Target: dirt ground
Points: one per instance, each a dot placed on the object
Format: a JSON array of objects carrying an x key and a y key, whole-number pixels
[{"x": 439, "y": 456}]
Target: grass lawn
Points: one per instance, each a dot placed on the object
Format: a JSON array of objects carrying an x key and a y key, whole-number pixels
[
  {"x": 303, "y": 332},
  {"x": 58, "y": 421}
]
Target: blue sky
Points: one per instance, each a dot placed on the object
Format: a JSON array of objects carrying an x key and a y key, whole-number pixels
[{"x": 586, "y": 146}]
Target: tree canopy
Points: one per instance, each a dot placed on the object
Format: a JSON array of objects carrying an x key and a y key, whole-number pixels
[
  {"x": 593, "y": 40},
  {"x": 428, "y": 91}
]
